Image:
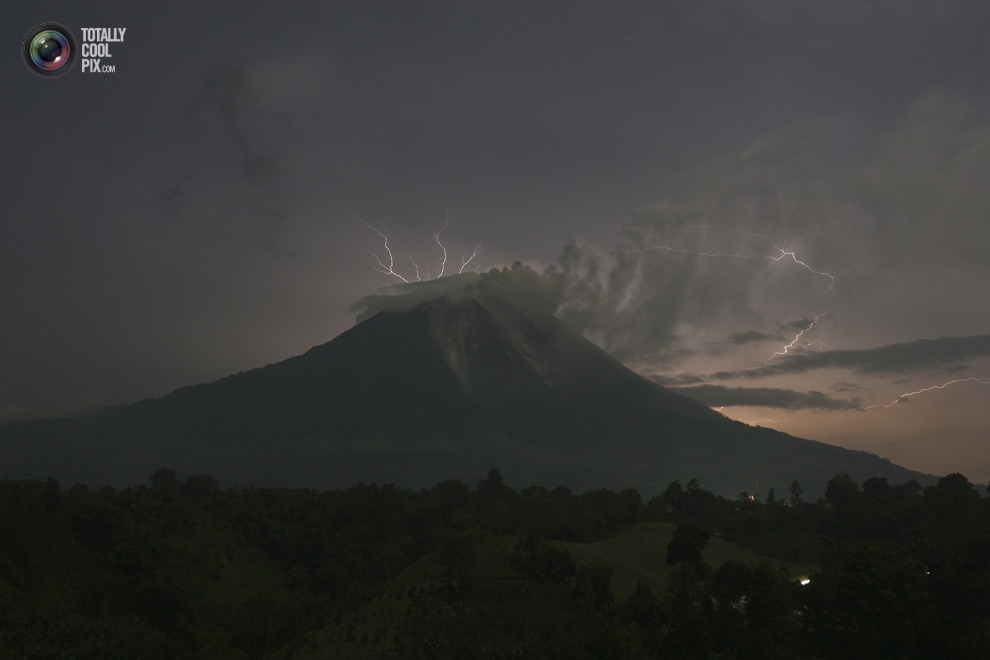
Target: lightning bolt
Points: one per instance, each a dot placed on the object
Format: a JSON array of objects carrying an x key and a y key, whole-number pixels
[
  {"x": 383, "y": 260},
  {"x": 375, "y": 260},
  {"x": 831, "y": 287},
  {"x": 464, "y": 263},
  {"x": 436, "y": 237},
  {"x": 902, "y": 398},
  {"x": 783, "y": 254}
]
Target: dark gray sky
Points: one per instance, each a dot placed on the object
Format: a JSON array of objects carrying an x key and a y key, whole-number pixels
[{"x": 705, "y": 179}]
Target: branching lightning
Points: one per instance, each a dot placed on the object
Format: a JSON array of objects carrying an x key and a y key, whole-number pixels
[
  {"x": 904, "y": 397},
  {"x": 783, "y": 254},
  {"x": 436, "y": 237},
  {"x": 375, "y": 260},
  {"x": 383, "y": 260},
  {"x": 464, "y": 262}
]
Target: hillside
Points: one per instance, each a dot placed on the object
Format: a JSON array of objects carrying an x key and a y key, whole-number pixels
[{"x": 446, "y": 389}]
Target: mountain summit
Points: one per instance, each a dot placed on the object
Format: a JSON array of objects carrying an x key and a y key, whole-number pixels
[{"x": 443, "y": 390}]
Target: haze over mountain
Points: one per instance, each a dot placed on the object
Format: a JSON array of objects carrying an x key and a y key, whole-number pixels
[{"x": 440, "y": 389}]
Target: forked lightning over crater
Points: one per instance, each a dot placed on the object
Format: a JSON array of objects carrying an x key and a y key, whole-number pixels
[{"x": 376, "y": 261}]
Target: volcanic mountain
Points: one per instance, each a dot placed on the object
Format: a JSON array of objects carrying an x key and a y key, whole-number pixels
[{"x": 443, "y": 390}]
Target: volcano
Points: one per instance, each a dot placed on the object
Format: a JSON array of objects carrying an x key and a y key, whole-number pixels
[{"x": 446, "y": 389}]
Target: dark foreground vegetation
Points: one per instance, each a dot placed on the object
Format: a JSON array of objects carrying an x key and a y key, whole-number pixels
[{"x": 186, "y": 569}]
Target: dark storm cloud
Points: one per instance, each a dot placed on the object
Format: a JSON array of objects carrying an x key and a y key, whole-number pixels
[
  {"x": 765, "y": 397},
  {"x": 732, "y": 344},
  {"x": 896, "y": 208},
  {"x": 923, "y": 186},
  {"x": 231, "y": 100},
  {"x": 847, "y": 387},
  {"x": 797, "y": 324},
  {"x": 678, "y": 379},
  {"x": 943, "y": 354},
  {"x": 227, "y": 94},
  {"x": 751, "y": 337}
]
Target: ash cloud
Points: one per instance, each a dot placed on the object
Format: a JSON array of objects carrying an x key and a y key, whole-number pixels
[
  {"x": 232, "y": 98},
  {"x": 532, "y": 292},
  {"x": 247, "y": 113},
  {"x": 692, "y": 269},
  {"x": 890, "y": 210},
  {"x": 628, "y": 305},
  {"x": 702, "y": 256}
]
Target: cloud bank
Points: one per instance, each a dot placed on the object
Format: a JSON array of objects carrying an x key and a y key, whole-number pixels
[
  {"x": 942, "y": 354},
  {"x": 765, "y": 397}
]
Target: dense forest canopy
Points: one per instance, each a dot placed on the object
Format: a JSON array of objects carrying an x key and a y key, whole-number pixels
[{"x": 184, "y": 568}]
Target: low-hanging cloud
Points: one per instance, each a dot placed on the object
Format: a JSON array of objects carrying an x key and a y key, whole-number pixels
[
  {"x": 942, "y": 354},
  {"x": 678, "y": 380},
  {"x": 752, "y": 337},
  {"x": 766, "y": 397}
]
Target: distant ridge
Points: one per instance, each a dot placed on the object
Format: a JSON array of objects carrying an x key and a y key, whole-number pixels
[{"x": 444, "y": 390}]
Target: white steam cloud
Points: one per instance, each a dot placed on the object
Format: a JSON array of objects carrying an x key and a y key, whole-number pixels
[{"x": 532, "y": 292}]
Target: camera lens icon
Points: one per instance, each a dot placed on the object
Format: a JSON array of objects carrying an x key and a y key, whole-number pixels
[{"x": 49, "y": 49}]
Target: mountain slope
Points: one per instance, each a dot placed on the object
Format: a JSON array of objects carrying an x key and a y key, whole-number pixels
[{"x": 445, "y": 390}]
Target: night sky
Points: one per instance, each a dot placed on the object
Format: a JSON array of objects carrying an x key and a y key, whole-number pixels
[{"x": 781, "y": 207}]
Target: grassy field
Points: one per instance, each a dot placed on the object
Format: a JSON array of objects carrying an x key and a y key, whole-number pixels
[
  {"x": 638, "y": 554},
  {"x": 641, "y": 552}
]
